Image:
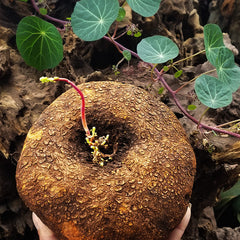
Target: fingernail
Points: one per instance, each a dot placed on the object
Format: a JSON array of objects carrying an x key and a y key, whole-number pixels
[{"x": 35, "y": 220}]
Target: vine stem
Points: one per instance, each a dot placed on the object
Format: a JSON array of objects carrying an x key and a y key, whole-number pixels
[
  {"x": 83, "y": 116},
  {"x": 114, "y": 43},
  {"x": 184, "y": 59},
  {"x": 174, "y": 93},
  {"x": 184, "y": 111},
  {"x": 62, "y": 22},
  {"x": 159, "y": 77},
  {"x": 203, "y": 114},
  {"x": 192, "y": 80}
]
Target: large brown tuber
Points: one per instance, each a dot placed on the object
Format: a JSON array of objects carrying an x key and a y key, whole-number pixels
[{"x": 143, "y": 193}]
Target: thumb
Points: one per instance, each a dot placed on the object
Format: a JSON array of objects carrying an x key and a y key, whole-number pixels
[
  {"x": 179, "y": 230},
  {"x": 43, "y": 231}
]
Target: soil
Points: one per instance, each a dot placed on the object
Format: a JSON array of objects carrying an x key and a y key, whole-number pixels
[{"x": 23, "y": 98}]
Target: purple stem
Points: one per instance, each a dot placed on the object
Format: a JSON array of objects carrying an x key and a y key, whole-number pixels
[
  {"x": 121, "y": 46},
  {"x": 173, "y": 94},
  {"x": 47, "y": 16},
  {"x": 200, "y": 125}
]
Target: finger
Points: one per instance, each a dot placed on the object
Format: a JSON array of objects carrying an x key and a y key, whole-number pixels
[
  {"x": 43, "y": 231},
  {"x": 177, "y": 233}
]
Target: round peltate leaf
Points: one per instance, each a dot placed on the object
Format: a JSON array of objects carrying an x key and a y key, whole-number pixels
[
  {"x": 127, "y": 55},
  {"x": 213, "y": 41},
  {"x": 212, "y": 92},
  {"x": 157, "y": 49},
  {"x": 225, "y": 59},
  {"x": 91, "y": 19},
  {"x": 231, "y": 77},
  {"x": 228, "y": 72},
  {"x": 146, "y": 8},
  {"x": 39, "y": 43}
]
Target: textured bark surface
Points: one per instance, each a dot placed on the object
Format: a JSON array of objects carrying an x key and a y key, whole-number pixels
[
  {"x": 23, "y": 98},
  {"x": 142, "y": 194}
]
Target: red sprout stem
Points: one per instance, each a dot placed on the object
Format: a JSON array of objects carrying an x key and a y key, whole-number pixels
[{"x": 83, "y": 117}]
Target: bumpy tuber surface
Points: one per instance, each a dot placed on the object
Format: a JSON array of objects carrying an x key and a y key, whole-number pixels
[{"x": 143, "y": 193}]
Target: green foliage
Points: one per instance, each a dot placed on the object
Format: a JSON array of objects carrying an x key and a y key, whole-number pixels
[
  {"x": 129, "y": 32},
  {"x": 217, "y": 92},
  {"x": 178, "y": 73},
  {"x": 115, "y": 70},
  {"x": 160, "y": 90},
  {"x": 137, "y": 34},
  {"x": 43, "y": 11},
  {"x": 191, "y": 107},
  {"x": 157, "y": 49},
  {"x": 133, "y": 30},
  {"x": 213, "y": 41},
  {"x": 91, "y": 19},
  {"x": 121, "y": 14},
  {"x": 229, "y": 199},
  {"x": 39, "y": 43},
  {"x": 165, "y": 68},
  {"x": 146, "y": 8},
  {"x": 228, "y": 72},
  {"x": 127, "y": 55},
  {"x": 211, "y": 92}
]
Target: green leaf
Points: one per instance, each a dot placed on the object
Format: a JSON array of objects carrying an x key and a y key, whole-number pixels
[
  {"x": 165, "y": 68},
  {"x": 178, "y": 73},
  {"x": 160, "y": 90},
  {"x": 213, "y": 41},
  {"x": 137, "y": 34},
  {"x": 157, "y": 49},
  {"x": 91, "y": 19},
  {"x": 129, "y": 32},
  {"x": 228, "y": 72},
  {"x": 127, "y": 55},
  {"x": 229, "y": 198},
  {"x": 224, "y": 59},
  {"x": 146, "y": 8},
  {"x": 39, "y": 43},
  {"x": 213, "y": 36},
  {"x": 232, "y": 192},
  {"x": 232, "y": 78},
  {"x": 191, "y": 107},
  {"x": 236, "y": 203},
  {"x": 121, "y": 14},
  {"x": 43, "y": 11},
  {"x": 212, "y": 92}
]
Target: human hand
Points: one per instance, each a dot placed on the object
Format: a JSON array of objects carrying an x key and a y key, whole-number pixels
[
  {"x": 177, "y": 233},
  {"x": 46, "y": 234}
]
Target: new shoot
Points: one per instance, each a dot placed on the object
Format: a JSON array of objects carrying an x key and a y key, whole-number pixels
[{"x": 92, "y": 139}]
